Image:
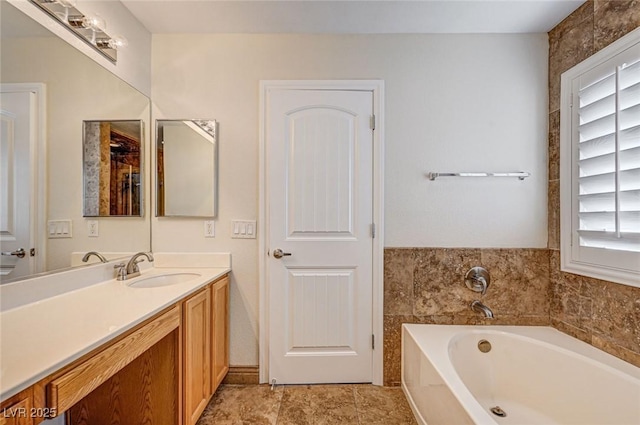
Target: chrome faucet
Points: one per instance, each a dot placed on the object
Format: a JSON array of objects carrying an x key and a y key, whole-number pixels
[
  {"x": 478, "y": 307},
  {"x": 94, "y": 253},
  {"x": 132, "y": 269}
]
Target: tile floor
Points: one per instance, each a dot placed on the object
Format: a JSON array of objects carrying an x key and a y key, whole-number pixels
[{"x": 349, "y": 404}]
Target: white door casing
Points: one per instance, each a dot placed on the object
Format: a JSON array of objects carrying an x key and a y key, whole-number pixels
[
  {"x": 322, "y": 305},
  {"x": 22, "y": 156}
]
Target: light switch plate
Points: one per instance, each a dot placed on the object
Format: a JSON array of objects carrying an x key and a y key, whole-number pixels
[
  {"x": 57, "y": 229},
  {"x": 243, "y": 229}
]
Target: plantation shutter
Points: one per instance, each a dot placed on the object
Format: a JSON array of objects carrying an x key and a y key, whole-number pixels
[{"x": 608, "y": 156}]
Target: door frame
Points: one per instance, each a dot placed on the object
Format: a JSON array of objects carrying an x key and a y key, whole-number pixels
[
  {"x": 38, "y": 158},
  {"x": 376, "y": 87}
]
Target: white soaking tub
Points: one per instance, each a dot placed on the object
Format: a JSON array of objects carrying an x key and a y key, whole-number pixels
[{"x": 533, "y": 374}]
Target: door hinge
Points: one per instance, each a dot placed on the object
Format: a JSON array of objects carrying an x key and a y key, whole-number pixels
[
  {"x": 373, "y": 122},
  {"x": 373, "y": 230},
  {"x": 373, "y": 342}
]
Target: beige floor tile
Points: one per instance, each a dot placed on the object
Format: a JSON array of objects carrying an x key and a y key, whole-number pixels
[
  {"x": 308, "y": 405},
  {"x": 382, "y": 405},
  {"x": 251, "y": 404},
  {"x": 318, "y": 405}
]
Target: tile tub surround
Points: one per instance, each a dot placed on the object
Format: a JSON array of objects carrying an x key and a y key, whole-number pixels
[
  {"x": 426, "y": 285},
  {"x": 604, "y": 314}
]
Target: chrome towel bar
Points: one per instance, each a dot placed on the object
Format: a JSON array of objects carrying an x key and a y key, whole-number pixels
[{"x": 521, "y": 175}]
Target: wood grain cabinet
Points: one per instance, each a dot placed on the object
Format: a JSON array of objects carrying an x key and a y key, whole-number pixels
[
  {"x": 162, "y": 372},
  {"x": 18, "y": 410},
  {"x": 206, "y": 346},
  {"x": 220, "y": 331},
  {"x": 197, "y": 354}
]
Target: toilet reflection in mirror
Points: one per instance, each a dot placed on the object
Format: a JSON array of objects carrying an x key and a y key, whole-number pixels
[
  {"x": 186, "y": 159},
  {"x": 112, "y": 160}
]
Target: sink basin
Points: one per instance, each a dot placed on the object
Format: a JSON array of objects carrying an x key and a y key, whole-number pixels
[{"x": 163, "y": 280}]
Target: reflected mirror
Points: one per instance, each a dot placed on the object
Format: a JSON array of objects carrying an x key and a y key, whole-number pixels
[
  {"x": 186, "y": 158},
  {"x": 76, "y": 89},
  {"x": 112, "y": 161}
]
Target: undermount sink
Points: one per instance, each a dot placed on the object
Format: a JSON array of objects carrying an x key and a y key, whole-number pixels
[{"x": 163, "y": 280}]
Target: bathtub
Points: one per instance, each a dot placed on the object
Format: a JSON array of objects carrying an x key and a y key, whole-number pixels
[{"x": 533, "y": 374}]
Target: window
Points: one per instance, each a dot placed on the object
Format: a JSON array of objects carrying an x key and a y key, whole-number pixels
[{"x": 600, "y": 164}]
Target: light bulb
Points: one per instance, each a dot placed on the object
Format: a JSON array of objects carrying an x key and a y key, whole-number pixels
[
  {"x": 67, "y": 3},
  {"x": 94, "y": 22},
  {"x": 117, "y": 42}
]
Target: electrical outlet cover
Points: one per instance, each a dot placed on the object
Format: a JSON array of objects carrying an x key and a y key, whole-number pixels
[{"x": 209, "y": 229}]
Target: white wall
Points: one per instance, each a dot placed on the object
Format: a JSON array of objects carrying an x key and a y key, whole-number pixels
[
  {"x": 453, "y": 103},
  {"x": 134, "y": 61}
]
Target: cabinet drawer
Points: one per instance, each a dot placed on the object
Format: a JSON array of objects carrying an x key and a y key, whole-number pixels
[
  {"x": 18, "y": 410},
  {"x": 17, "y": 414},
  {"x": 66, "y": 390}
]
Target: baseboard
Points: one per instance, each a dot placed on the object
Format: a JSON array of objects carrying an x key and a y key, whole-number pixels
[{"x": 242, "y": 375}]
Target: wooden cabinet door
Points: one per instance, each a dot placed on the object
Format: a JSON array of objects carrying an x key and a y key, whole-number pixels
[
  {"x": 197, "y": 355},
  {"x": 18, "y": 410},
  {"x": 220, "y": 334}
]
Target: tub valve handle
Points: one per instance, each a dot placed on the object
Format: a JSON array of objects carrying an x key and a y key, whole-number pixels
[{"x": 477, "y": 279}]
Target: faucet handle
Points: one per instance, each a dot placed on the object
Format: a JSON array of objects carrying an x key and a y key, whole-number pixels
[
  {"x": 121, "y": 271},
  {"x": 477, "y": 279}
]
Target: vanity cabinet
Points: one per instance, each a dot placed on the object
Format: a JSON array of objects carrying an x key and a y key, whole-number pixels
[
  {"x": 135, "y": 380},
  {"x": 206, "y": 346},
  {"x": 197, "y": 354},
  {"x": 220, "y": 332},
  {"x": 17, "y": 410},
  {"x": 162, "y": 372}
]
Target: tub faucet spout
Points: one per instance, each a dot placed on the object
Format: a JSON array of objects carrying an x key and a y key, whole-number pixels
[{"x": 478, "y": 307}]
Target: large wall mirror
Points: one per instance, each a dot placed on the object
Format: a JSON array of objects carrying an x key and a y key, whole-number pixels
[
  {"x": 113, "y": 167},
  {"x": 186, "y": 159},
  {"x": 77, "y": 90}
]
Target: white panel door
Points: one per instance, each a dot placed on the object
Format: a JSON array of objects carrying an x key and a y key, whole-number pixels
[
  {"x": 319, "y": 147},
  {"x": 17, "y": 136}
]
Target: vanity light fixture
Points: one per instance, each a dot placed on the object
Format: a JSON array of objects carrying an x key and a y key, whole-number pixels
[{"x": 90, "y": 27}]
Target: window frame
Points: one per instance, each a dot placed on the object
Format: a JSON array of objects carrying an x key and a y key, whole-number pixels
[{"x": 611, "y": 265}]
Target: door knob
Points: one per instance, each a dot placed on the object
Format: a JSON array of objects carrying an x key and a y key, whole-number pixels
[
  {"x": 279, "y": 254},
  {"x": 19, "y": 253}
]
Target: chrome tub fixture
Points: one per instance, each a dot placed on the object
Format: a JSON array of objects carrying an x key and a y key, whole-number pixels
[
  {"x": 478, "y": 307},
  {"x": 477, "y": 279}
]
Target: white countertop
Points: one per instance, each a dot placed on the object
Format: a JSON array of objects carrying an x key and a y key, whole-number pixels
[{"x": 41, "y": 337}]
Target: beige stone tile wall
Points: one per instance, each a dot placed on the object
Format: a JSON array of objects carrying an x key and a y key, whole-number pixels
[
  {"x": 604, "y": 314},
  {"x": 426, "y": 285}
]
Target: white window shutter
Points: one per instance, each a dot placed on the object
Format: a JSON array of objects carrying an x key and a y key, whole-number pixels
[
  {"x": 600, "y": 164},
  {"x": 608, "y": 150}
]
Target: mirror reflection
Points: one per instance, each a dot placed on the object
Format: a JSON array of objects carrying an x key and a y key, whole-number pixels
[
  {"x": 75, "y": 89},
  {"x": 186, "y": 159},
  {"x": 112, "y": 168}
]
